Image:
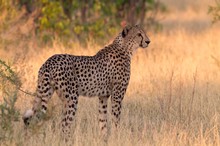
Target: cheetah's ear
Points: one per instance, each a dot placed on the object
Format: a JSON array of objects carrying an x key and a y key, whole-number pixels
[{"x": 125, "y": 30}]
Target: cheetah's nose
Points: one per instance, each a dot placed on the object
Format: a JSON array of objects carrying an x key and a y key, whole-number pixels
[
  {"x": 148, "y": 42},
  {"x": 26, "y": 121}
]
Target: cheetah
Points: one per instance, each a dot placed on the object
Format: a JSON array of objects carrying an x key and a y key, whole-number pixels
[{"x": 105, "y": 75}]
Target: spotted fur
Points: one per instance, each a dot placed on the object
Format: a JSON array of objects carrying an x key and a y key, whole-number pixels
[{"x": 105, "y": 75}]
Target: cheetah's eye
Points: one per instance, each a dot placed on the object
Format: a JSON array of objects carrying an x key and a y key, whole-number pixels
[{"x": 139, "y": 34}]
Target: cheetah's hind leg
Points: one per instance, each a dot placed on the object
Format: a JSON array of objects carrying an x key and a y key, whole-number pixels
[{"x": 43, "y": 93}]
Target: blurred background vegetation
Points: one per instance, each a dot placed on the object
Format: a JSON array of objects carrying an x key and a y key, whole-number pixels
[
  {"x": 80, "y": 19},
  {"x": 215, "y": 11}
]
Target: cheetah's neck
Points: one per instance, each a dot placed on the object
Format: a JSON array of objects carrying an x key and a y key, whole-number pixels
[{"x": 119, "y": 43}]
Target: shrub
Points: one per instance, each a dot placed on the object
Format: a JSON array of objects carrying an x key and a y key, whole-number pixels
[{"x": 9, "y": 85}]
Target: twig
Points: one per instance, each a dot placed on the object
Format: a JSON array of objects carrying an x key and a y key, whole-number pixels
[
  {"x": 170, "y": 90},
  {"x": 193, "y": 95},
  {"x": 28, "y": 93}
]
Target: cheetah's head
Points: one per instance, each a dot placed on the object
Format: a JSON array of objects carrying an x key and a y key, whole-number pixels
[
  {"x": 28, "y": 116},
  {"x": 135, "y": 36}
]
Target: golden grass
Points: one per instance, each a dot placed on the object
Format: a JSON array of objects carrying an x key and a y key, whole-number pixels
[{"x": 173, "y": 97}]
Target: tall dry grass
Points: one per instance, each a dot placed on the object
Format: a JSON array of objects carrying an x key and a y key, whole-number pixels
[{"x": 173, "y": 97}]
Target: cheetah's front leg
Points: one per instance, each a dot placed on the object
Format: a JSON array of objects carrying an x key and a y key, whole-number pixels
[{"x": 116, "y": 103}]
